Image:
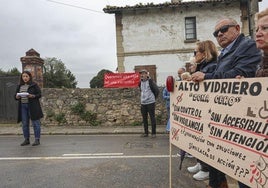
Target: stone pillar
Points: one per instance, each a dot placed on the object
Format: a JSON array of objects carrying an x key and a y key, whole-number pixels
[{"x": 34, "y": 64}]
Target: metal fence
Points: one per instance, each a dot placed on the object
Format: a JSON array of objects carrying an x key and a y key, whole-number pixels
[{"x": 8, "y": 105}]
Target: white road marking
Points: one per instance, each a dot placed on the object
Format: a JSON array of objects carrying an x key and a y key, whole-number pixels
[
  {"x": 86, "y": 157},
  {"x": 91, "y": 154}
]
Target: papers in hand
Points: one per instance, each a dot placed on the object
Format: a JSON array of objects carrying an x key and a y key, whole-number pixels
[{"x": 25, "y": 94}]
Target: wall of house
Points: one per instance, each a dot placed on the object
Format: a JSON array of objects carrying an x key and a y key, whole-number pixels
[{"x": 158, "y": 37}]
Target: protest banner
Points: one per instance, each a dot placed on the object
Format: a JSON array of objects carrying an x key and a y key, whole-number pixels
[
  {"x": 225, "y": 124},
  {"x": 121, "y": 80}
]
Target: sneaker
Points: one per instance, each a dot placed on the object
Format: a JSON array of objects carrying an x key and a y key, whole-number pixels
[
  {"x": 201, "y": 175},
  {"x": 25, "y": 142},
  {"x": 153, "y": 136},
  {"x": 188, "y": 155},
  {"x": 144, "y": 135},
  {"x": 194, "y": 169}
]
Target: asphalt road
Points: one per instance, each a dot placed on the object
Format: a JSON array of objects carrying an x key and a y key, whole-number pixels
[{"x": 114, "y": 161}]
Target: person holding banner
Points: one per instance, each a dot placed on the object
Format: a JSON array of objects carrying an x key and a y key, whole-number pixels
[
  {"x": 205, "y": 54},
  {"x": 261, "y": 22},
  {"x": 149, "y": 93},
  {"x": 239, "y": 56},
  {"x": 186, "y": 76}
]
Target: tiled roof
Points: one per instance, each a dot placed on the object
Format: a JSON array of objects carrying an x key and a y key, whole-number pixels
[{"x": 140, "y": 6}]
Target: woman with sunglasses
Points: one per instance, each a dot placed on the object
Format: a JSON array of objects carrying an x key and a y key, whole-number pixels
[{"x": 206, "y": 55}]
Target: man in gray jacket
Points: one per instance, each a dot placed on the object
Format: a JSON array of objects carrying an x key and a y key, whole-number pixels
[{"x": 149, "y": 93}]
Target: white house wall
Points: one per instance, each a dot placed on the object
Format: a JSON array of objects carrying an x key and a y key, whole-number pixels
[
  {"x": 148, "y": 36},
  {"x": 167, "y": 64}
]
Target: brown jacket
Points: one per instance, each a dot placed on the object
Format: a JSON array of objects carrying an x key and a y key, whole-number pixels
[{"x": 263, "y": 69}]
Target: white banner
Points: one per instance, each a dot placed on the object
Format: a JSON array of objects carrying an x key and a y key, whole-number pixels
[{"x": 225, "y": 124}]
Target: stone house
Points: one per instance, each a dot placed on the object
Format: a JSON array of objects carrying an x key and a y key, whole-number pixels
[{"x": 162, "y": 37}]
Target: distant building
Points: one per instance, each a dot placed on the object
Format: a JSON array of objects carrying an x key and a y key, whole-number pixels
[{"x": 162, "y": 37}]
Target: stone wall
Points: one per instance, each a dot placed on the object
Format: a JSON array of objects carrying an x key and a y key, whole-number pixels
[{"x": 112, "y": 107}]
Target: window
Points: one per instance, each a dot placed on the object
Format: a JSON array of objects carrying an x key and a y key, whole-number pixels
[{"x": 190, "y": 28}]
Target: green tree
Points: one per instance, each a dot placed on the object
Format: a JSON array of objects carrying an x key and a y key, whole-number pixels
[
  {"x": 98, "y": 81},
  {"x": 56, "y": 75},
  {"x": 12, "y": 72}
]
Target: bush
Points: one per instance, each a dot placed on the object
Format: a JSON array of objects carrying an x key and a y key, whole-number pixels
[
  {"x": 50, "y": 113},
  {"x": 78, "y": 109},
  {"x": 89, "y": 117},
  {"x": 60, "y": 118}
]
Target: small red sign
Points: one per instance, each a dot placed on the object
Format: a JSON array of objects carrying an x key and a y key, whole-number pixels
[{"x": 121, "y": 80}]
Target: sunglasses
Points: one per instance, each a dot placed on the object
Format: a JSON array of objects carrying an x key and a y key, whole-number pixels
[{"x": 223, "y": 29}]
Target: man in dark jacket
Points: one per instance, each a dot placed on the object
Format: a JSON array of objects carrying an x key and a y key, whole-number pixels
[
  {"x": 239, "y": 57},
  {"x": 149, "y": 92}
]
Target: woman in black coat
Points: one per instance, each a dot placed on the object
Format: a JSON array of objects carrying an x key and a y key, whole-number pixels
[{"x": 28, "y": 94}]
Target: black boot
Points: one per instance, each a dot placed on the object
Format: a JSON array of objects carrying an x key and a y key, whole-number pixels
[
  {"x": 25, "y": 142},
  {"x": 36, "y": 142}
]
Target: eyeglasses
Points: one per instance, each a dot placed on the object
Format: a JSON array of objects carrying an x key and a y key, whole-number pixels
[
  {"x": 262, "y": 28},
  {"x": 223, "y": 29}
]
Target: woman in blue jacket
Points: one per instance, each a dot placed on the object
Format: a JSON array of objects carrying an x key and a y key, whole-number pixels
[{"x": 166, "y": 97}]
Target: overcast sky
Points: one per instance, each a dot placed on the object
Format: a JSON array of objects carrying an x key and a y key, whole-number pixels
[{"x": 84, "y": 39}]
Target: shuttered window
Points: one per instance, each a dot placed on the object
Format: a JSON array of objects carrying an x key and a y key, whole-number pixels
[{"x": 190, "y": 28}]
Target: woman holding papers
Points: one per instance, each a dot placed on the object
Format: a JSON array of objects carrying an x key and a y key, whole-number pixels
[{"x": 28, "y": 94}]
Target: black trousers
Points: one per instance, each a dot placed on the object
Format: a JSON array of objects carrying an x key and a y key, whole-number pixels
[
  {"x": 204, "y": 166},
  {"x": 145, "y": 110},
  {"x": 241, "y": 185},
  {"x": 216, "y": 177}
]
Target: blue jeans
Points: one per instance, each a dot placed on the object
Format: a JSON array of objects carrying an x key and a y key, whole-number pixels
[{"x": 25, "y": 119}]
